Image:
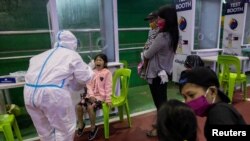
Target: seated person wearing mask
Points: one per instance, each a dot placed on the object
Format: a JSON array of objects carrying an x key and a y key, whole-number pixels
[{"x": 200, "y": 89}]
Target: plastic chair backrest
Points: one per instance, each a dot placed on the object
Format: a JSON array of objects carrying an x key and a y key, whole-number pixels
[
  {"x": 125, "y": 63},
  {"x": 122, "y": 74},
  {"x": 224, "y": 64}
]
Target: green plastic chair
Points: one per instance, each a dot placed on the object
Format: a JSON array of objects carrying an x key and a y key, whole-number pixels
[
  {"x": 227, "y": 78},
  {"x": 7, "y": 121},
  {"x": 121, "y": 78},
  {"x": 125, "y": 63}
]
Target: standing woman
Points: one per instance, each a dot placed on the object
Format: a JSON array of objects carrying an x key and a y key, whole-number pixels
[{"x": 160, "y": 57}]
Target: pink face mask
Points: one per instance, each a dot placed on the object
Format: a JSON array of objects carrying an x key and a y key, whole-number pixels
[
  {"x": 200, "y": 105},
  {"x": 161, "y": 24}
]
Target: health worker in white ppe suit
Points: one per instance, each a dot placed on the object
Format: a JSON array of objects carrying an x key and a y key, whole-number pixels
[{"x": 50, "y": 79}]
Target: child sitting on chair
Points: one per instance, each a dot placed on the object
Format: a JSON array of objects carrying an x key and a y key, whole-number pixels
[{"x": 99, "y": 90}]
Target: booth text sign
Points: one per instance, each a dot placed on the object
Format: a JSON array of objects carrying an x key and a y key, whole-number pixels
[
  {"x": 183, "y": 5},
  {"x": 235, "y": 7}
]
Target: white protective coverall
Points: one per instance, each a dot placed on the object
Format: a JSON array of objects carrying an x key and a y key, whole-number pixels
[{"x": 49, "y": 80}]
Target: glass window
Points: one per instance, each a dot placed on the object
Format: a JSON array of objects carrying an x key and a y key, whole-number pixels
[{"x": 207, "y": 24}]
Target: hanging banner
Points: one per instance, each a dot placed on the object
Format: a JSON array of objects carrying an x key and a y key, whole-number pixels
[
  {"x": 185, "y": 13},
  {"x": 233, "y": 27}
]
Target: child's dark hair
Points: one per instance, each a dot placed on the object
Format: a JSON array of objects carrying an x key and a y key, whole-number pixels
[
  {"x": 104, "y": 58},
  {"x": 176, "y": 122},
  {"x": 193, "y": 61}
]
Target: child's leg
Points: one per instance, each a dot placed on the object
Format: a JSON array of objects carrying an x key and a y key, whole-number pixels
[
  {"x": 92, "y": 116},
  {"x": 80, "y": 117}
]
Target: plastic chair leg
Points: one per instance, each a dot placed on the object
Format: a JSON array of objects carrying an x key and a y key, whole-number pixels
[
  {"x": 220, "y": 80},
  {"x": 8, "y": 132},
  {"x": 245, "y": 90},
  {"x": 17, "y": 131},
  {"x": 231, "y": 89},
  {"x": 105, "y": 109},
  {"x": 224, "y": 85},
  {"x": 128, "y": 114},
  {"x": 120, "y": 109}
]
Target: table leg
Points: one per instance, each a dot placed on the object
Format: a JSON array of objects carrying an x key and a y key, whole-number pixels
[
  {"x": 2, "y": 103},
  {"x": 7, "y": 96}
]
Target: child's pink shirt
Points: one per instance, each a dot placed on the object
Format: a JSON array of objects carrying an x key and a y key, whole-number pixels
[{"x": 100, "y": 85}]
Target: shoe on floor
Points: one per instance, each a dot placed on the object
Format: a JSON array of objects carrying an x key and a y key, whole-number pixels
[
  {"x": 152, "y": 133},
  {"x": 92, "y": 134},
  {"x": 80, "y": 131}
]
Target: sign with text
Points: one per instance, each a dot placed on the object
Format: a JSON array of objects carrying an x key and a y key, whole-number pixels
[
  {"x": 233, "y": 27},
  {"x": 185, "y": 14},
  {"x": 235, "y": 7},
  {"x": 183, "y": 5}
]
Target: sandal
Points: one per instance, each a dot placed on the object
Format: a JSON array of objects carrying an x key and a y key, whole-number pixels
[
  {"x": 80, "y": 131},
  {"x": 152, "y": 133}
]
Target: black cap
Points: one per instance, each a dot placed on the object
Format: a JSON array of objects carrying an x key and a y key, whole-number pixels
[
  {"x": 204, "y": 77},
  {"x": 152, "y": 15}
]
